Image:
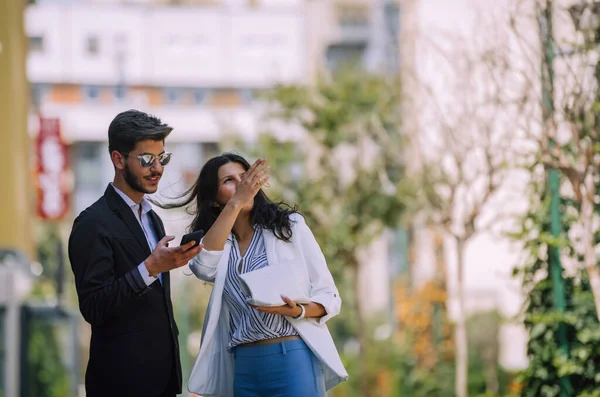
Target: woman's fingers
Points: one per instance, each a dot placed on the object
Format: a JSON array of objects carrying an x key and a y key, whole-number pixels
[
  {"x": 288, "y": 301},
  {"x": 259, "y": 179},
  {"x": 255, "y": 177},
  {"x": 254, "y": 169}
]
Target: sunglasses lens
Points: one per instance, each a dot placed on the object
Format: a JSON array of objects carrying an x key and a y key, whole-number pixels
[
  {"x": 147, "y": 160},
  {"x": 164, "y": 159}
]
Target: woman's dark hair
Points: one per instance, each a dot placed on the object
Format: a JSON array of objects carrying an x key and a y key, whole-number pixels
[
  {"x": 265, "y": 213},
  {"x": 131, "y": 126}
]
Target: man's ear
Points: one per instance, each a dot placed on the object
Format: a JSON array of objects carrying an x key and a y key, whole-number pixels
[{"x": 118, "y": 160}]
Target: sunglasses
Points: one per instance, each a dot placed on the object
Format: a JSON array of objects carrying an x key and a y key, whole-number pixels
[{"x": 147, "y": 159}]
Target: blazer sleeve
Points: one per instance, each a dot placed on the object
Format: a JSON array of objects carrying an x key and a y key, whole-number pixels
[
  {"x": 101, "y": 293},
  {"x": 204, "y": 265},
  {"x": 323, "y": 289}
]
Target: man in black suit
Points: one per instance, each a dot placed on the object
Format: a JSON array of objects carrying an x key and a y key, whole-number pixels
[{"x": 121, "y": 260}]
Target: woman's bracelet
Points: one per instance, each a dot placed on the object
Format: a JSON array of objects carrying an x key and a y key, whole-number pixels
[{"x": 302, "y": 313}]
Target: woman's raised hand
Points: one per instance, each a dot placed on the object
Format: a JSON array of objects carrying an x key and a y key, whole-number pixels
[{"x": 252, "y": 181}]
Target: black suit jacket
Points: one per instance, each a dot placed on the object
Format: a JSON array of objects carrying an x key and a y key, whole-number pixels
[{"x": 134, "y": 348}]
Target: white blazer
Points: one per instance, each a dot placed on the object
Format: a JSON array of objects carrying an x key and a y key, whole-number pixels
[{"x": 213, "y": 372}]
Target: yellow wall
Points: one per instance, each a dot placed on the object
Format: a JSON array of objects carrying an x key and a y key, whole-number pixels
[{"x": 16, "y": 193}]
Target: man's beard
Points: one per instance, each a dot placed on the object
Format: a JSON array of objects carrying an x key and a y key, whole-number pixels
[{"x": 134, "y": 181}]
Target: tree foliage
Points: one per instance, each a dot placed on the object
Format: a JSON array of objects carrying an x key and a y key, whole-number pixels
[
  {"x": 547, "y": 361},
  {"x": 336, "y": 151}
]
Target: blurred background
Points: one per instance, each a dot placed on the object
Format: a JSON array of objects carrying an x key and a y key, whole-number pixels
[{"x": 445, "y": 153}]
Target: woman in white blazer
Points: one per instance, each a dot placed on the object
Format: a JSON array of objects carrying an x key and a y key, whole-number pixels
[{"x": 250, "y": 351}]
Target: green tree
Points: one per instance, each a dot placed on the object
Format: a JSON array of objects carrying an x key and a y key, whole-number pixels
[
  {"x": 46, "y": 375},
  {"x": 547, "y": 362},
  {"x": 566, "y": 137},
  {"x": 466, "y": 165},
  {"x": 339, "y": 156}
]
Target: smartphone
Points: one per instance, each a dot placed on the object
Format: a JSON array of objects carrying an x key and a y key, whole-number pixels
[{"x": 195, "y": 236}]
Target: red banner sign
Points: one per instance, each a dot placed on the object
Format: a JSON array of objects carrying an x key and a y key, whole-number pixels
[{"x": 52, "y": 171}]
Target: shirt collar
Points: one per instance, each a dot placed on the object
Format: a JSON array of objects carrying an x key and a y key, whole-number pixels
[{"x": 145, "y": 203}]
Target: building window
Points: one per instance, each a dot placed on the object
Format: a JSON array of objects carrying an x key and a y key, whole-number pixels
[
  {"x": 247, "y": 95},
  {"x": 172, "y": 95},
  {"x": 174, "y": 45},
  {"x": 120, "y": 92},
  {"x": 345, "y": 54},
  {"x": 91, "y": 92},
  {"x": 200, "y": 96},
  {"x": 36, "y": 44},
  {"x": 86, "y": 164},
  {"x": 93, "y": 45},
  {"x": 38, "y": 94},
  {"x": 120, "y": 40},
  {"x": 210, "y": 150}
]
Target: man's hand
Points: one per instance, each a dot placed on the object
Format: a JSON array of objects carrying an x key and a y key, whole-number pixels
[{"x": 164, "y": 258}]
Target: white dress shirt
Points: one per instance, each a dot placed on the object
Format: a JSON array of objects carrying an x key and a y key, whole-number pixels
[{"x": 146, "y": 225}]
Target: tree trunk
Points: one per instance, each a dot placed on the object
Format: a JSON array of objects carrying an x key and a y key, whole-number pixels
[
  {"x": 589, "y": 253},
  {"x": 490, "y": 371},
  {"x": 461, "y": 338},
  {"x": 362, "y": 335}
]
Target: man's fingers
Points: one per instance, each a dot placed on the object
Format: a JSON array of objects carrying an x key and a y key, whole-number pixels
[
  {"x": 187, "y": 256},
  {"x": 187, "y": 246},
  {"x": 192, "y": 252},
  {"x": 163, "y": 241}
]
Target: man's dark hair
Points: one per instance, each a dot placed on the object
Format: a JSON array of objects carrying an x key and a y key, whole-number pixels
[{"x": 132, "y": 126}]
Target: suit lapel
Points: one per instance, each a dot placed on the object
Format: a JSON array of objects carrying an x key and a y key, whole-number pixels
[
  {"x": 159, "y": 229},
  {"x": 126, "y": 214}
]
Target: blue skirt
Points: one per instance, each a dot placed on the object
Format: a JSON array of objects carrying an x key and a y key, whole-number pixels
[{"x": 284, "y": 369}]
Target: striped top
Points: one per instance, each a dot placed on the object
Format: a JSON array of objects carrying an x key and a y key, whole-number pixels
[{"x": 248, "y": 324}]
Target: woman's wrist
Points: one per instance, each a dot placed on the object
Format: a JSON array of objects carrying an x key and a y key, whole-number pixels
[
  {"x": 234, "y": 206},
  {"x": 302, "y": 313}
]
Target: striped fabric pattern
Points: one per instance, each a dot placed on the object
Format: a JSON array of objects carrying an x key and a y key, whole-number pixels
[{"x": 248, "y": 324}]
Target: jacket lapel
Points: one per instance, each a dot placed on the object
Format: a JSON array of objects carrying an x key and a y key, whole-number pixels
[
  {"x": 270, "y": 240},
  {"x": 126, "y": 214},
  {"x": 159, "y": 229}
]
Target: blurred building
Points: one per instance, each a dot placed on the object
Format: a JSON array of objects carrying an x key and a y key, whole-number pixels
[
  {"x": 197, "y": 68},
  {"x": 198, "y": 65}
]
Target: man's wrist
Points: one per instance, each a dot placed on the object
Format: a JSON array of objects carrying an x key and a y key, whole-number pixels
[
  {"x": 145, "y": 276},
  {"x": 150, "y": 267}
]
